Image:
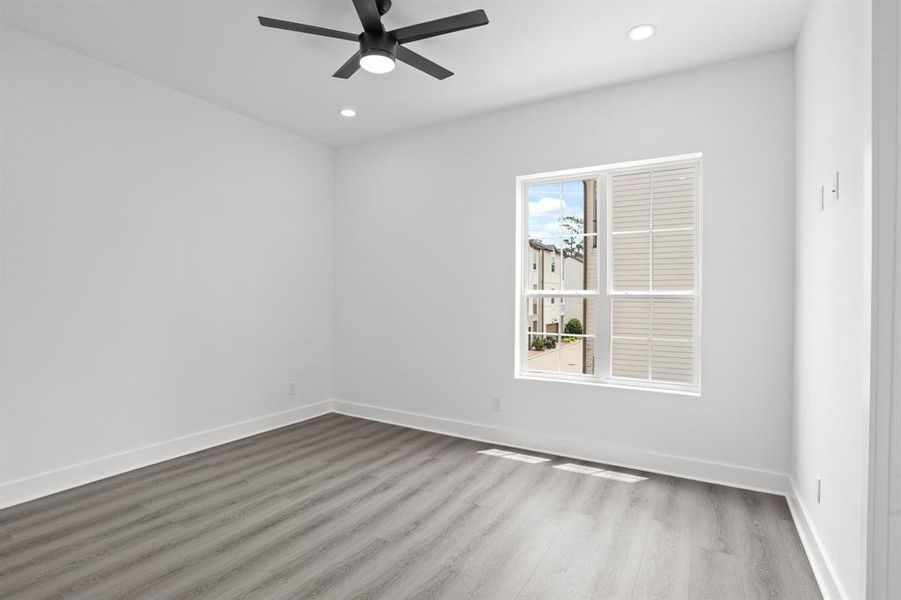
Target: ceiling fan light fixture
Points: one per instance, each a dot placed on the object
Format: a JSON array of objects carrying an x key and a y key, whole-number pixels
[
  {"x": 377, "y": 61},
  {"x": 641, "y": 32}
]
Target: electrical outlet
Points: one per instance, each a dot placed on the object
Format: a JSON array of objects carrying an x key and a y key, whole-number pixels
[
  {"x": 292, "y": 388},
  {"x": 497, "y": 403},
  {"x": 835, "y": 187},
  {"x": 819, "y": 489}
]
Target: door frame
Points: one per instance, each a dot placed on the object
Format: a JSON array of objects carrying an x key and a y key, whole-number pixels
[{"x": 885, "y": 367}]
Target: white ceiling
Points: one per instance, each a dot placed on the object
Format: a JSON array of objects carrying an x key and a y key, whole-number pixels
[{"x": 532, "y": 49}]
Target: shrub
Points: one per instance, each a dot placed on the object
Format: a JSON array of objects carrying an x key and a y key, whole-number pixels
[
  {"x": 573, "y": 327},
  {"x": 540, "y": 342}
]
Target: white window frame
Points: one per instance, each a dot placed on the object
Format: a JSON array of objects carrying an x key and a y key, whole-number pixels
[{"x": 603, "y": 339}]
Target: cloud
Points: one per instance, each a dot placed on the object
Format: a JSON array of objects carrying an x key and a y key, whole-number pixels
[
  {"x": 543, "y": 230},
  {"x": 546, "y": 206}
]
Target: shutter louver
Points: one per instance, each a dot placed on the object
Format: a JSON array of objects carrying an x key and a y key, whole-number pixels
[
  {"x": 674, "y": 260},
  {"x": 631, "y": 317},
  {"x": 631, "y": 202},
  {"x": 631, "y": 262},
  {"x": 672, "y": 361},
  {"x": 672, "y": 355},
  {"x": 631, "y": 213},
  {"x": 673, "y": 318},
  {"x": 674, "y": 198},
  {"x": 653, "y": 229},
  {"x": 630, "y": 358}
]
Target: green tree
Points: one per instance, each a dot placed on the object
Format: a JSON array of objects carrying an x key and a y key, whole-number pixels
[
  {"x": 573, "y": 242},
  {"x": 573, "y": 327}
]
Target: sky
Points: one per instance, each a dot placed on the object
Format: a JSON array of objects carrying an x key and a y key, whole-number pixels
[{"x": 548, "y": 203}]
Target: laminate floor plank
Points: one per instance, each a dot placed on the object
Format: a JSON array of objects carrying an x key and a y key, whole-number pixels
[
  {"x": 767, "y": 568},
  {"x": 413, "y": 506},
  {"x": 594, "y": 509},
  {"x": 616, "y": 561},
  {"x": 714, "y": 575},
  {"x": 313, "y": 539},
  {"x": 339, "y": 486},
  {"x": 198, "y": 506},
  {"x": 561, "y": 570},
  {"x": 341, "y": 508},
  {"x": 61, "y": 521},
  {"x": 425, "y": 539},
  {"x": 48, "y": 507},
  {"x": 500, "y": 567},
  {"x": 796, "y": 568},
  {"x": 665, "y": 569}
]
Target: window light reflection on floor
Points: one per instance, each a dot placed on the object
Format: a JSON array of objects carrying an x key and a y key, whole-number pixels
[
  {"x": 571, "y": 467},
  {"x": 526, "y": 458},
  {"x": 595, "y": 472}
]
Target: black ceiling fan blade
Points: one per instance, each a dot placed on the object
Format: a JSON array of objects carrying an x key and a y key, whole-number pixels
[
  {"x": 368, "y": 11},
  {"x": 301, "y": 28},
  {"x": 349, "y": 68},
  {"x": 420, "y": 62},
  {"x": 475, "y": 18}
]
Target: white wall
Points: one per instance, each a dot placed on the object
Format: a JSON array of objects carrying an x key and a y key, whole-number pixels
[
  {"x": 832, "y": 283},
  {"x": 439, "y": 203},
  {"x": 163, "y": 270}
]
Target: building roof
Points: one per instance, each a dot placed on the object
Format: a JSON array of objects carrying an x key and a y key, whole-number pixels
[{"x": 539, "y": 245}]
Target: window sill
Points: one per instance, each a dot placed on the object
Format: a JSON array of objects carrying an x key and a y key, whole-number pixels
[{"x": 684, "y": 391}]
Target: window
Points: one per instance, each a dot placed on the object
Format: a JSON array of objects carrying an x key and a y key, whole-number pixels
[{"x": 623, "y": 308}]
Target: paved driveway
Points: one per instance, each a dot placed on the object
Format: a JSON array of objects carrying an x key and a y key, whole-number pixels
[{"x": 569, "y": 355}]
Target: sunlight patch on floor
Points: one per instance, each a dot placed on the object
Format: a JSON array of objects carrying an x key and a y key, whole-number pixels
[
  {"x": 571, "y": 467},
  {"x": 526, "y": 458},
  {"x": 595, "y": 472}
]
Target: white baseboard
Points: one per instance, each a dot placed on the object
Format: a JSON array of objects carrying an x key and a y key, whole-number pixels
[
  {"x": 689, "y": 468},
  {"x": 43, "y": 484},
  {"x": 588, "y": 450},
  {"x": 830, "y": 585}
]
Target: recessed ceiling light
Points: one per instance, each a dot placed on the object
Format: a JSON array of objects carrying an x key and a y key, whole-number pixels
[
  {"x": 641, "y": 32},
  {"x": 348, "y": 112}
]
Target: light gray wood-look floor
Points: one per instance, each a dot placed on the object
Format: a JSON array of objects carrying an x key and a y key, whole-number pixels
[{"x": 344, "y": 508}]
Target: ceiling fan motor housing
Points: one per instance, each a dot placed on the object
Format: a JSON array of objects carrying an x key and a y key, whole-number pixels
[{"x": 378, "y": 43}]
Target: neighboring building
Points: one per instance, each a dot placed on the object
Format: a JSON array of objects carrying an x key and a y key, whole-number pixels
[
  {"x": 547, "y": 266},
  {"x": 553, "y": 268},
  {"x": 547, "y": 269}
]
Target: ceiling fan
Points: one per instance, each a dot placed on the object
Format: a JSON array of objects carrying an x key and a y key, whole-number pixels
[{"x": 379, "y": 48}]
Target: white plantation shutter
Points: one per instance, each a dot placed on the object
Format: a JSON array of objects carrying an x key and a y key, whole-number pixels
[
  {"x": 674, "y": 260},
  {"x": 631, "y": 218},
  {"x": 632, "y": 262},
  {"x": 653, "y": 274},
  {"x": 632, "y": 202},
  {"x": 672, "y": 339},
  {"x": 630, "y": 334}
]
